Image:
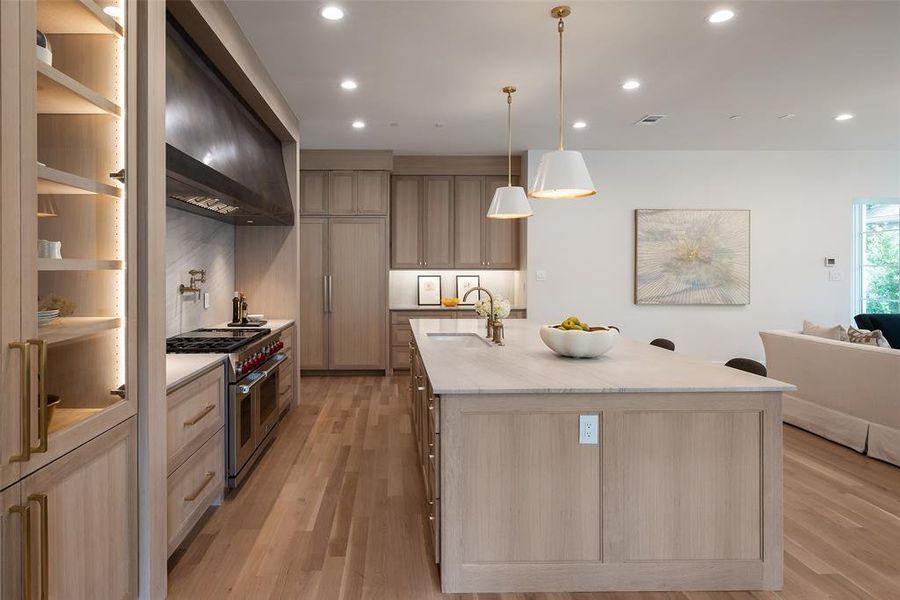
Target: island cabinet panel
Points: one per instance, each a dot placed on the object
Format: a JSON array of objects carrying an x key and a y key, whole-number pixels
[
  {"x": 692, "y": 485},
  {"x": 533, "y": 492}
]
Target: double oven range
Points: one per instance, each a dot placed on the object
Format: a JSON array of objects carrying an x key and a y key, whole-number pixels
[{"x": 252, "y": 367}]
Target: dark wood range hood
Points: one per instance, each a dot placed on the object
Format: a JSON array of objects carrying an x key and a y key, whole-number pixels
[{"x": 222, "y": 162}]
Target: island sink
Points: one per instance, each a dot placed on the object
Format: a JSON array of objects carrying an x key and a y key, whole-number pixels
[{"x": 681, "y": 488}]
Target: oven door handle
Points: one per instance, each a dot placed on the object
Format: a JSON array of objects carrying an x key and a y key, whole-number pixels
[{"x": 262, "y": 374}]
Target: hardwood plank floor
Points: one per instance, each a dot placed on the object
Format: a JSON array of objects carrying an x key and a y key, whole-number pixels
[{"x": 334, "y": 511}]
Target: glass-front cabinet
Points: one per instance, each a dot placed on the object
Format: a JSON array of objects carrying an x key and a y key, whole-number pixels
[{"x": 75, "y": 235}]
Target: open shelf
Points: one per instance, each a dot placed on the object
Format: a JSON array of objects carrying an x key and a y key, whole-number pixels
[
  {"x": 70, "y": 329},
  {"x": 59, "y": 94},
  {"x": 64, "y": 417},
  {"x": 75, "y": 16},
  {"x": 54, "y": 181},
  {"x": 78, "y": 264}
]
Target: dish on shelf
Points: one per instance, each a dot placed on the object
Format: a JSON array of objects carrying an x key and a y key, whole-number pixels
[{"x": 47, "y": 316}]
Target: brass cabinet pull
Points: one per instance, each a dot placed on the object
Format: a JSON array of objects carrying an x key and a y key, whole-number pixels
[
  {"x": 25, "y": 409},
  {"x": 25, "y": 512},
  {"x": 206, "y": 479},
  {"x": 41, "y": 499},
  {"x": 43, "y": 410},
  {"x": 196, "y": 419}
]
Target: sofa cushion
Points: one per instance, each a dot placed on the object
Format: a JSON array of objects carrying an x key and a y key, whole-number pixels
[
  {"x": 831, "y": 333},
  {"x": 870, "y": 338},
  {"x": 888, "y": 324}
]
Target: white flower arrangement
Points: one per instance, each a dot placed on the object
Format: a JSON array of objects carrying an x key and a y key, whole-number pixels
[{"x": 501, "y": 307}]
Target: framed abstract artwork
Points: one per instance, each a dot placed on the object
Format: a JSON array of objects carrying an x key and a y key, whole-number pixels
[
  {"x": 429, "y": 290},
  {"x": 684, "y": 256},
  {"x": 463, "y": 284}
]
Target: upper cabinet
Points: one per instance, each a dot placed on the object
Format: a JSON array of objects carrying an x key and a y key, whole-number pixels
[
  {"x": 344, "y": 192},
  {"x": 67, "y": 217},
  {"x": 438, "y": 222}
]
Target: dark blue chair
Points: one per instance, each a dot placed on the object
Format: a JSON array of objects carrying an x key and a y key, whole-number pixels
[{"x": 888, "y": 324}]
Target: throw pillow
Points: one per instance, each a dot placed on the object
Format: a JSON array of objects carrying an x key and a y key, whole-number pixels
[
  {"x": 869, "y": 338},
  {"x": 832, "y": 333}
]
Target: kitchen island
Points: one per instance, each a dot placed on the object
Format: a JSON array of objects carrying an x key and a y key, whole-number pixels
[{"x": 678, "y": 488}]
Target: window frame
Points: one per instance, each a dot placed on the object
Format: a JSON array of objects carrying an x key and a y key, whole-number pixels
[{"x": 858, "y": 236}]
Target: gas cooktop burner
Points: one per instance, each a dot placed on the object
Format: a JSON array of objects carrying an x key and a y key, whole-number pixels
[{"x": 213, "y": 341}]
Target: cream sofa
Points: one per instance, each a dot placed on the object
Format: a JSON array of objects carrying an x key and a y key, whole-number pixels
[{"x": 848, "y": 393}]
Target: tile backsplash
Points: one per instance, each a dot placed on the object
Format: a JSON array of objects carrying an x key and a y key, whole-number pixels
[
  {"x": 195, "y": 242},
  {"x": 403, "y": 285}
]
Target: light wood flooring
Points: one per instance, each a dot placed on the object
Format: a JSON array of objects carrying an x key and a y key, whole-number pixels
[{"x": 334, "y": 510}]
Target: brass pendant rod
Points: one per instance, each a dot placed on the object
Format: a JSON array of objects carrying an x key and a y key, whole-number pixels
[
  {"x": 560, "y": 27},
  {"x": 509, "y": 139}
]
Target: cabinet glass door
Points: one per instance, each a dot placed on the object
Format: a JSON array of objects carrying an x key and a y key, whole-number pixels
[{"x": 75, "y": 222}]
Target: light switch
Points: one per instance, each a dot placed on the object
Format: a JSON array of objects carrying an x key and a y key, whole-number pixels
[
  {"x": 205, "y": 300},
  {"x": 540, "y": 275},
  {"x": 588, "y": 429}
]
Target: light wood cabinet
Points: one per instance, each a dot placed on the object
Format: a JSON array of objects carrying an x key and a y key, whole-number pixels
[
  {"x": 84, "y": 530},
  {"x": 313, "y": 192},
  {"x": 13, "y": 516},
  {"x": 373, "y": 192},
  {"x": 193, "y": 487},
  {"x": 344, "y": 192},
  {"x": 313, "y": 293},
  {"x": 406, "y": 222},
  {"x": 439, "y": 222},
  {"x": 343, "y": 303},
  {"x": 195, "y": 412},
  {"x": 286, "y": 385}
]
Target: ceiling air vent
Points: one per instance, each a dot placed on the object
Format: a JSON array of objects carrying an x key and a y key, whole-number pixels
[{"x": 649, "y": 120}]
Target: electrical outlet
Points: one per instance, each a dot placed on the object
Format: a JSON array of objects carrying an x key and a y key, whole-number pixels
[
  {"x": 835, "y": 276},
  {"x": 540, "y": 275},
  {"x": 589, "y": 429},
  {"x": 205, "y": 300}
]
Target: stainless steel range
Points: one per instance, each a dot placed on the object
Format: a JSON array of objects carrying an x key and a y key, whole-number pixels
[{"x": 254, "y": 356}]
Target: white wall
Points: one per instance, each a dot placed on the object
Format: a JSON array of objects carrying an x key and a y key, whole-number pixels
[
  {"x": 195, "y": 242},
  {"x": 800, "y": 205}
]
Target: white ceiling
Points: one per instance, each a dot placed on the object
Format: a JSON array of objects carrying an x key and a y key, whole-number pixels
[{"x": 425, "y": 62}]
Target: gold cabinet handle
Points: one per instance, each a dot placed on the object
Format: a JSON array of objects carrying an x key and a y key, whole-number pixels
[
  {"x": 196, "y": 419},
  {"x": 25, "y": 513},
  {"x": 41, "y": 499},
  {"x": 25, "y": 408},
  {"x": 206, "y": 479},
  {"x": 43, "y": 409}
]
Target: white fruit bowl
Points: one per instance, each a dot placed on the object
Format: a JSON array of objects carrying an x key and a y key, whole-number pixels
[{"x": 579, "y": 344}]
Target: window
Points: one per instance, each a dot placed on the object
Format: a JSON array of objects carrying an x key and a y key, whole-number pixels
[{"x": 877, "y": 256}]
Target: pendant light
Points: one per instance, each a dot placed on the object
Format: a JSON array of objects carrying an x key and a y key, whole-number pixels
[
  {"x": 509, "y": 202},
  {"x": 562, "y": 173}
]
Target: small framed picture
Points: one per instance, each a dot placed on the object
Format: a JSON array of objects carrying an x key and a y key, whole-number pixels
[
  {"x": 464, "y": 283},
  {"x": 429, "y": 290}
]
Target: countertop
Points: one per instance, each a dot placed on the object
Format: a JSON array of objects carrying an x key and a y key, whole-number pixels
[
  {"x": 182, "y": 368},
  {"x": 273, "y": 324},
  {"x": 524, "y": 365},
  {"x": 443, "y": 308}
]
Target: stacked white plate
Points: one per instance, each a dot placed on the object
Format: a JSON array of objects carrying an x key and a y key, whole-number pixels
[{"x": 47, "y": 316}]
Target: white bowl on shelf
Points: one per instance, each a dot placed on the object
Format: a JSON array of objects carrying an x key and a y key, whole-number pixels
[{"x": 579, "y": 344}]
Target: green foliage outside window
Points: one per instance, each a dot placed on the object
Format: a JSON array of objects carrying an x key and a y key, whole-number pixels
[{"x": 881, "y": 258}]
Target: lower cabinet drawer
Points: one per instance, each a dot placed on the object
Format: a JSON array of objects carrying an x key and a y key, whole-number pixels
[
  {"x": 192, "y": 488},
  {"x": 400, "y": 357},
  {"x": 401, "y": 335},
  {"x": 195, "y": 411},
  {"x": 434, "y": 518}
]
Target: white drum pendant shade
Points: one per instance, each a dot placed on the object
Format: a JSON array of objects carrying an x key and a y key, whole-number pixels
[
  {"x": 562, "y": 174},
  {"x": 509, "y": 202}
]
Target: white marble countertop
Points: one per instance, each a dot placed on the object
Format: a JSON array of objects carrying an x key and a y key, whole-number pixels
[
  {"x": 442, "y": 308},
  {"x": 524, "y": 365},
  {"x": 273, "y": 324},
  {"x": 182, "y": 368}
]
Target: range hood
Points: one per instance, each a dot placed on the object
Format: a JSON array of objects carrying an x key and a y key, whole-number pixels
[{"x": 221, "y": 161}]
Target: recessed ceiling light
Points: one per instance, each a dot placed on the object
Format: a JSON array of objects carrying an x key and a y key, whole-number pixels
[
  {"x": 113, "y": 11},
  {"x": 332, "y": 13},
  {"x": 349, "y": 84},
  {"x": 720, "y": 16},
  {"x": 358, "y": 124},
  {"x": 579, "y": 125},
  {"x": 631, "y": 84},
  {"x": 843, "y": 117},
  {"x": 735, "y": 117}
]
